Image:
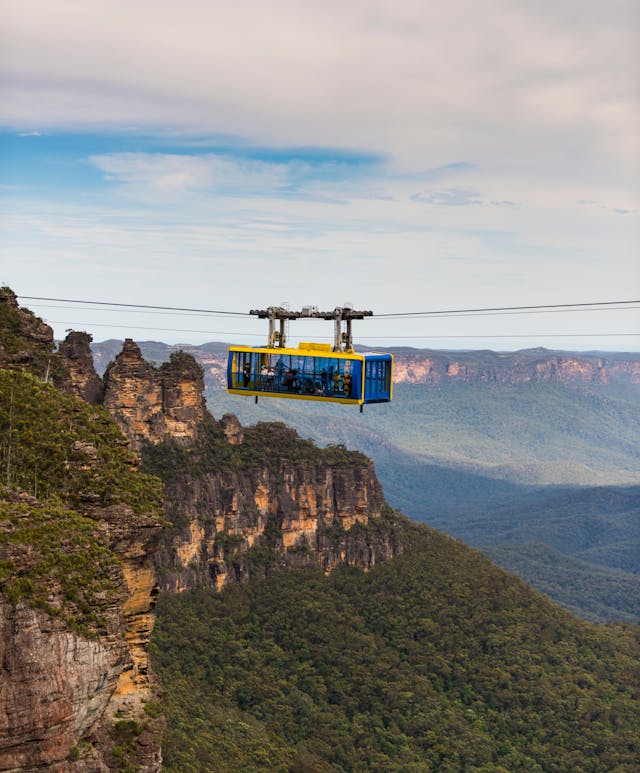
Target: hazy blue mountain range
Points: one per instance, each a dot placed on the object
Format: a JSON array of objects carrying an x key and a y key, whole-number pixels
[{"x": 544, "y": 476}]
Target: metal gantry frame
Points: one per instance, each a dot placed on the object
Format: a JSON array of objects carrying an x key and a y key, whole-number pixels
[{"x": 342, "y": 317}]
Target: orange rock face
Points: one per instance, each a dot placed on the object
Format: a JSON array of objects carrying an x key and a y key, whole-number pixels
[
  {"x": 307, "y": 510},
  {"x": 58, "y": 686}
]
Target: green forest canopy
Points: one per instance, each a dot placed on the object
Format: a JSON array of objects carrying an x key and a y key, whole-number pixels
[{"x": 436, "y": 660}]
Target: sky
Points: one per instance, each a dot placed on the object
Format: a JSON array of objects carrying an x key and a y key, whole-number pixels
[{"x": 401, "y": 157}]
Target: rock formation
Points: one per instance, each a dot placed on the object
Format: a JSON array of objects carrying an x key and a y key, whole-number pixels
[
  {"x": 82, "y": 380},
  {"x": 150, "y": 404},
  {"x": 223, "y": 506},
  {"x": 56, "y": 686},
  {"x": 232, "y": 429}
]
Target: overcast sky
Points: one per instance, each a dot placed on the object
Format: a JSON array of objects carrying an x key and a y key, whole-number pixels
[{"x": 402, "y": 156}]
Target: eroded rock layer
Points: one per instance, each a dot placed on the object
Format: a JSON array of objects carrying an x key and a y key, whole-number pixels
[{"x": 56, "y": 686}]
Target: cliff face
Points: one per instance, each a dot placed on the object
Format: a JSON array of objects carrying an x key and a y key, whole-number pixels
[
  {"x": 518, "y": 368},
  {"x": 77, "y": 583},
  {"x": 234, "y": 492},
  {"x": 234, "y": 522},
  {"x": 56, "y": 687},
  {"x": 151, "y": 404},
  {"x": 72, "y": 670}
]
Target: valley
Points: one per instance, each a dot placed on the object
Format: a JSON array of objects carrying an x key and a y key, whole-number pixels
[{"x": 508, "y": 464}]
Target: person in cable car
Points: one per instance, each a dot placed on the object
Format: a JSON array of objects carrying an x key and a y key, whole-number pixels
[{"x": 347, "y": 384}]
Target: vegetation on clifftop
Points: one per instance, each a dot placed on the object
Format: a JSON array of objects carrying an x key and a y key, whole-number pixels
[
  {"x": 435, "y": 661},
  {"x": 26, "y": 342},
  {"x": 57, "y": 561},
  {"x": 62, "y": 460},
  {"x": 266, "y": 445},
  {"x": 54, "y": 444}
]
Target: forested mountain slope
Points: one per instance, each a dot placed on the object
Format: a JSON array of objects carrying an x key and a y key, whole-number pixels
[
  {"x": 436, "y": 660},
  {"x": 522, "y": 466}
]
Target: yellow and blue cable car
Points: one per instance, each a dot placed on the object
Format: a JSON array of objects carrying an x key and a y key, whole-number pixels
[{"x": 311, "y": 372}]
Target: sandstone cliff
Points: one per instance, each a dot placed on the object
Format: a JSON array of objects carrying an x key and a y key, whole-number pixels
[
  {"x": 267, "y": 506},
  {"x": 234, "y": 494},
  {"x": 531, "y": 366},
  {"x": 77, "y": 667}
]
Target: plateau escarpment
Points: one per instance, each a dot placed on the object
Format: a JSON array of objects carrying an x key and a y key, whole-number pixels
[
  {"x": 435, "y": 368},
  {"x": 271, "y": 501}
]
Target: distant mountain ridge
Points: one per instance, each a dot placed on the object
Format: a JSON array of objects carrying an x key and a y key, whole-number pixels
[{"x": 436, "y": 367}]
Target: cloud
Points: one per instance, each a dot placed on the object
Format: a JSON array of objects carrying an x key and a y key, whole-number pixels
[
  {"x": 615, "y": 210},
  {"x": 449, "y": 198},
  {"x": 242, "y": 171},
  {"x": 415, "y": 80},
  {"x": 165, "y": 172},
  {"x": 456, "y": 197},
  {"x": 400, "y": 149}
]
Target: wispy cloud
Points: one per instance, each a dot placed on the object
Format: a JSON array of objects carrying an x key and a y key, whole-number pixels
[
  {"x": 456, "y": 197},
  {"x": 608, "y": 208},
  {"x": 245, "y": 172},
  {"x": 449, "y": 198}
]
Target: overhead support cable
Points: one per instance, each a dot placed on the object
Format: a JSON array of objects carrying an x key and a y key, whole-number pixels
[
  {"x": 135, "y": 305},
  {"x": 156, "y": 329},
  {"x": 591, "y": 306},
  {"x": 548, "y": 306}
]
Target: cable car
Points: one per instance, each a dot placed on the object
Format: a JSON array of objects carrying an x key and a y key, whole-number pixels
[{"x": 312, "y": 371}]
